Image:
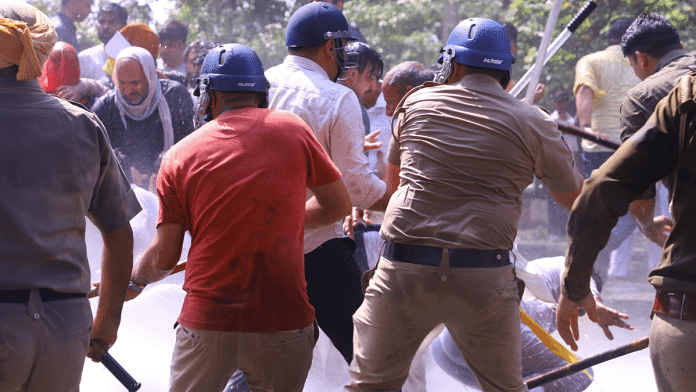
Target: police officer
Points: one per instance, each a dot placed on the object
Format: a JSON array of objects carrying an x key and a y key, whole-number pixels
[{"x": 464, "y": 150}]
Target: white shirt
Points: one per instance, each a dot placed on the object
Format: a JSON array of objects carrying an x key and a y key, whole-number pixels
[
  {"x": 379, "y": 120},
  {"x": 92, "y": 61},
  {"x": 333, "y": 112}
]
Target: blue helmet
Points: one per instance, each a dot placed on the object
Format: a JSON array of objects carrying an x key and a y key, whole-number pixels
[
  {"x": 480, "y": 42},
  {"x": 314, "y": 23},
  {"x": 229, "y": 67},
  {"x": 233, "y": 67}
]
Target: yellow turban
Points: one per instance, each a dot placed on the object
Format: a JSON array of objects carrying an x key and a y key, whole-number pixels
[{"x": 27, "y": 37}]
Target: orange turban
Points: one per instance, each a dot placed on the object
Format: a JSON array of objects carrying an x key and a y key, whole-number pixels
[
  {"x": 26, "y": 38},
  {"x": 139, "y": 34}
]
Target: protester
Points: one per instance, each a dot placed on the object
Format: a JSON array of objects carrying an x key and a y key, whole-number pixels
[
  {"x": 194, "y": 55},
  {"x": 245, "y": 209},
  {"x": 61, "y": 68},
  {"x": 663, "y": 145},
  {"x": 112, "y": 17},
  {"x": 543, "y": 280},
  {"x": 449, "y": 226},
  {"x": 57, "y": 168},
  {"x": 71, "y": 11},
  {"x": 144, "y": 115},
  {"x": 601, "y": 81},
  {"x": 304, "y": 84},
  {"x": 172, "y": 45}
]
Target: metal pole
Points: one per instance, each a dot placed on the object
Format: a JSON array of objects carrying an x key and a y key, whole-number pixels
[
  {"x": 556, "y": 44},
  {"x": 541, "y": 57}
]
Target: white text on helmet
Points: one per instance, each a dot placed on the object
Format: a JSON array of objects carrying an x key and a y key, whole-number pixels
[
  {"x": 246, "y": 84},
  {"x": 492, "y": 61}
]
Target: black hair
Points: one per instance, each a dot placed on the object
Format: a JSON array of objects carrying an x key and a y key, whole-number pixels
[
  {"x": 113, "y": 8},
  {"x": 511, "y": 31},
  {"x": 367, "y": 58},
  {"x": 617, "y": 28},
  {"x": 651, "y": 34},
  {"x": 173, "y": 30}
]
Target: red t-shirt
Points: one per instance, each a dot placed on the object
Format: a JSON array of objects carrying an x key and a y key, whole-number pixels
[{"x": 238, "y": 185}]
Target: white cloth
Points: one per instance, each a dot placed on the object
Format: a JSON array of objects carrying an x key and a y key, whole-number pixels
[
  {"x": 92, "y": 62},
  {"x": 333, "y": 112},
  {"x": 154, "y": 100}
]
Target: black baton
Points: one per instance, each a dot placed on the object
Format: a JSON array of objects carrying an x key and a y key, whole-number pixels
[{"x": 119, "y": 372}]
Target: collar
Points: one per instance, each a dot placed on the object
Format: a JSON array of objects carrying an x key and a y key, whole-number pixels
[
  {"x": 306, "y": 64},
  {"x": 9, "y": 82},
  {"x": 479, "y": 82},
  {"x": 668, "y": 58}
]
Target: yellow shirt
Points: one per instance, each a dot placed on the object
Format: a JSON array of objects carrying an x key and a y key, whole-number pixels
[{"x": 609, "y": 74}]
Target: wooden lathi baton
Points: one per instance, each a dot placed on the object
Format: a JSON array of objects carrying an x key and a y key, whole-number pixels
[
  {"x": 579, "y": 132},
  {"x": 573, "y": 368}
]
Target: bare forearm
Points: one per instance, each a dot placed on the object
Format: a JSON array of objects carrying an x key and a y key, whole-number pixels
[
  {"x": 329, "y": 204},
  {"x": 117, "y": 262},
  {"x": 161, "y": 256},
  {"x": 584, "y": 105}
]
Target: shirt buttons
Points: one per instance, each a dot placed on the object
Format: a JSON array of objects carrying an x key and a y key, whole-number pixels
[
  {"x": 498, "y": 256},
  {"x": 444, "y": 279},
  {"x": 37, "y": 316}
]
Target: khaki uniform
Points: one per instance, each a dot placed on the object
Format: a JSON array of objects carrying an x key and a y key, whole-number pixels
[{"x": 467, "y": 152}]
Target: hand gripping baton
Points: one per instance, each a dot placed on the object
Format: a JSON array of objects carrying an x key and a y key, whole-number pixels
[{"x": 556, "y": 44}]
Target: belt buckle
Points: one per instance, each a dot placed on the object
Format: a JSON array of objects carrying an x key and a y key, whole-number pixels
[{"x": 676, "y": 302}]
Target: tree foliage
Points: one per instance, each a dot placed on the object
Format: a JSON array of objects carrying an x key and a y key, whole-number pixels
[{"x": 404, "y": 30}]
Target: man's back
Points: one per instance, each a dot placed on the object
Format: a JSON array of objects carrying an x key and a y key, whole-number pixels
[
  {"x": 238, "y": 186},
  {"x": 333, "y": 113},
  {"x": 52, "y": 159},
  {"x": 640, "y": 101},
  {"x": 467, "y": 152},
  {"x": 609, "y": 75}
]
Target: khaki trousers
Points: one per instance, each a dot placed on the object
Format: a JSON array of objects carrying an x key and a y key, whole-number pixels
[
  {"x": 43, "y": 345},
  {"x": 672, "y": 353},
  {"x": 404, "y": 302},
  {"x": 203, "y": 361}
]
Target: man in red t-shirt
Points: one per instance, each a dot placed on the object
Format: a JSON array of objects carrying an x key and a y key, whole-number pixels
[{"x": 238, "y": 185}]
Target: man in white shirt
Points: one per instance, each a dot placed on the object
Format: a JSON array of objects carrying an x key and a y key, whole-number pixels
[
  {"x": 111, "y": 18},
  {"x": 304, "y": 84}
]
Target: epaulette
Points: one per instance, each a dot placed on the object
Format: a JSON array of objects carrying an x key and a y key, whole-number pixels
[
  {"x": 686, "y": 106},
  {"x": 686, "y": 98}
]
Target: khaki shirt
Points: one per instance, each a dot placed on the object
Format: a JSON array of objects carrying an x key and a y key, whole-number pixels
[
  {"x": 56, "y": 167},
  {"x": 467, "y": 152}
]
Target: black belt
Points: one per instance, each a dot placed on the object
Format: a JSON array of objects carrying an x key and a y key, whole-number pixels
[
  {"x": 458, "y": 257},
  {"x": 22, "y": 296},
  {"x": 678, "y": 305}
]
